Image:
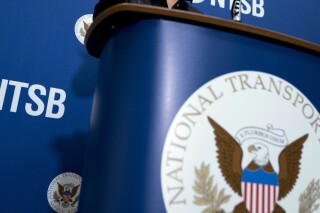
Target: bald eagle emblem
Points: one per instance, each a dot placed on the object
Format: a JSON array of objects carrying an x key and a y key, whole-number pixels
[
  {"x": 259, "y": 185},
  {"x": 66, "y": 194}
]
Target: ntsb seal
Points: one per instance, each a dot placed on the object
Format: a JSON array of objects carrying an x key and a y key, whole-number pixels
[
  {"x": 64, "y": 192},
  {"x": 81, "y": 27},
  {"x": 246, "y": 141}
]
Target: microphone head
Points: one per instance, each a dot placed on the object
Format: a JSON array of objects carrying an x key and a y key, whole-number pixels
[{"x": 236, "y": 10}]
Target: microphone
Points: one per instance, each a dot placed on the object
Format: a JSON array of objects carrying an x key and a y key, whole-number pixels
[{"x": 236, "y": 10}]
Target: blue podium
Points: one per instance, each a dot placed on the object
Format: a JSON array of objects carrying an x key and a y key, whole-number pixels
[{"x": 163, "y": 76}]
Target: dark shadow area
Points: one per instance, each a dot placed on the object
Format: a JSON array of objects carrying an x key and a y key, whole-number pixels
[
  {"x": 70, "y": 149},
  {"x": 71, "y": 152},
  {"x": 84, "y": 81}
]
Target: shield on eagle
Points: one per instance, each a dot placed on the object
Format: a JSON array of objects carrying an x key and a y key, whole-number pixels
[{"x": 260, "y": 186}]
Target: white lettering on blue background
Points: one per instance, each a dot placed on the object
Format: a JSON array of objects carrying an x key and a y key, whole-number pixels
[
  {"x": 54, "y": 107},
  {"x": 254, "y": 7}
]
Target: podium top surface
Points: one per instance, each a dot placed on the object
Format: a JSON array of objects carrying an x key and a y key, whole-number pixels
[{"x": 120, "y": 15}]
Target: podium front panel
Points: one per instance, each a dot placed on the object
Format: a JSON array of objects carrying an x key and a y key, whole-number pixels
[{"x": 167, "y": 91}]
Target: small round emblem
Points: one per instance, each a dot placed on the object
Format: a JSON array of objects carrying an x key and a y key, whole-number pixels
[
  {"x": 81, "y": 27},
  {"x": 63, "y": 192}
]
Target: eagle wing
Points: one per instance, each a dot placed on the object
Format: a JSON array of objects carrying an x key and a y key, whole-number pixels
[
  {"x": 74, "y": 190},
  {"x": 229, "y": 156},
  {"x": 289, "y": 162},
  {"x": 60, "y": 189}
]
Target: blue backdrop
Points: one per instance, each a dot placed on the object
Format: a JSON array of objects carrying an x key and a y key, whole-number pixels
[
  {"x": 295, "y": 18},
  {"x": 41, "y": 55},
  {"x": 48, "y": 79}
]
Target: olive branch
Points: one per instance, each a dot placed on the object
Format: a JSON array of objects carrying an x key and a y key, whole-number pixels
[
  {"x": 309, "y": 198},
  {"x": 208, "y": 194},
  {"x": 56, "y": 197}
]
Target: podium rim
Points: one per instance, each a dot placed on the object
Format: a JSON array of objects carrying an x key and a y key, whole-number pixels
[{"x": 120, "y": 15}]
